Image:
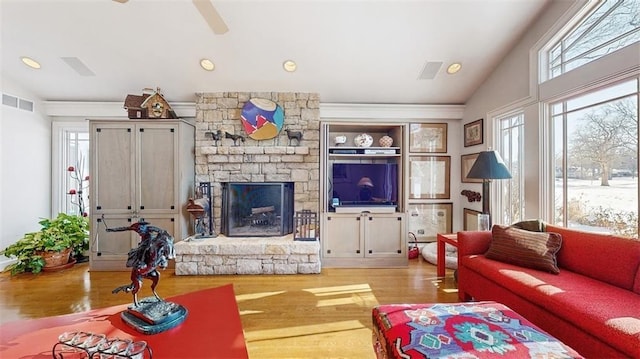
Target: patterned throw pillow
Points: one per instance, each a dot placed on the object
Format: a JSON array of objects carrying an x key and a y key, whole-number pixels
[{"x": 525, "y": 248}]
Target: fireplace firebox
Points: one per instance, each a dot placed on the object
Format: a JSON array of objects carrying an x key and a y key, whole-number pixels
[{"x": 257, "y": 209}]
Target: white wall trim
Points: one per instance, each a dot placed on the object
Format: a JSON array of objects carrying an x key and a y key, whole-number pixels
[
  {"x": 328, "y": 110},
  {"x": 391, "y": 111},
  {"x": 105, "y": 109}
]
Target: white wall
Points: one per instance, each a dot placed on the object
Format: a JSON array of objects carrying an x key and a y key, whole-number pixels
[
  {"x": 25, "y": 170},
  {"x": 512, "y": 85}
]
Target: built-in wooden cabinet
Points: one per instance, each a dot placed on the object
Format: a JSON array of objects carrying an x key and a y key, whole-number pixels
[
  {"x": 375, "y": 236},
  {"x": 356, "y": 232},
  {"x": 140, "y": 169}
]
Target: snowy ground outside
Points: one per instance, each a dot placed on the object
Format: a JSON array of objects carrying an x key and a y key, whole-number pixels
[{"x": 621, "y": 195}]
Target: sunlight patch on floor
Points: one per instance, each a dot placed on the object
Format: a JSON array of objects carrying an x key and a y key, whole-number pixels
[
  {"x": 364, "y": 287},
  {"x": 303, "y": 330},
  {"x": 249, "y": 312},
  {"x": 359, "y": 294},
  {"x": 252, "y": 296}
]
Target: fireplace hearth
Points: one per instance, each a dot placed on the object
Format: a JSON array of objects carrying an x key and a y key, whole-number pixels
[{"x": 257, "y": 209}]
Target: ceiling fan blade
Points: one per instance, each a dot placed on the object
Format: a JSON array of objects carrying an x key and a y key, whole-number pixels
[
  {"x": 121, "y": 1},
  {"x": 211, "y": 16}
]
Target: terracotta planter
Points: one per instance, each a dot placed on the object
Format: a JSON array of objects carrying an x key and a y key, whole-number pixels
[{"x": 53, "y": 259}]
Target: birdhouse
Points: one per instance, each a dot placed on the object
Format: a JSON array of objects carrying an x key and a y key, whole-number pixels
[{"x": 148, "y": 105}]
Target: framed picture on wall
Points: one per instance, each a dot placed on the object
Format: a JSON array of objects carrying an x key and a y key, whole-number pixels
[
  {"x": 466, "y": 162},
  {"x": 428, "y": 137},
  {"x": 426, "y": 220},
  {"x": 429, "y": 177},
  {"x": 473, "y": 133},
  {"x": 470, "y": 219}
]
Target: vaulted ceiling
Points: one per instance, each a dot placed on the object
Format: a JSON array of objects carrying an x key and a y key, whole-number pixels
[{"x": 347, "y": 51}]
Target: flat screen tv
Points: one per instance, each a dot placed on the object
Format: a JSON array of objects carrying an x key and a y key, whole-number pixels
[{"x": 363, "y": 184}]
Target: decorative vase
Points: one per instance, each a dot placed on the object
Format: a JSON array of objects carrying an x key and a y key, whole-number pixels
[
  {"x": 363, "y": 140},
  {"x": 339, "y": 140},
  {"x": 385, "y": 141},
  {"x": 53, "y": 259}
]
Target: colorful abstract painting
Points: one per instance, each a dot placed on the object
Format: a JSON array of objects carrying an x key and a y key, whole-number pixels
[{"x": 262, "y": 119}]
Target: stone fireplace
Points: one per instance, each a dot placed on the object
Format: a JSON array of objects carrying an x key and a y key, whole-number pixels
[
  {"x": 253, "y": 161},
  {"x": 257, "y": 209}
]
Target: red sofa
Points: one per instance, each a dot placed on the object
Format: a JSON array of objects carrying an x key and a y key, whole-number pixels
[{"x": 592, "y": 305}]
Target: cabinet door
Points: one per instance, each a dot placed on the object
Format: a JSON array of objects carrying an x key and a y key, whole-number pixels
[
  {"x": 344, "y": 236},
  {"x": 109, "y": 249},
  {"x": 112, "y": 168},
  {"x": 156, "y": 189},
  {"x": 384, "y": 235},
  {"x": 167, "y": 222}
]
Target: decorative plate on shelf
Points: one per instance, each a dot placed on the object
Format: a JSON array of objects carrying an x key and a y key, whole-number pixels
[{"x": 363, "y": 140}]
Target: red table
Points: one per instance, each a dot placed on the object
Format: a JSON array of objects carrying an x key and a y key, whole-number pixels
[
  {"x": 212, "y": 329},
  {"x": 442, "y": 240}
]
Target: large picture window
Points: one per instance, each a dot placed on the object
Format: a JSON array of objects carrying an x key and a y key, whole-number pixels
[{"x": 595, "y": 159}]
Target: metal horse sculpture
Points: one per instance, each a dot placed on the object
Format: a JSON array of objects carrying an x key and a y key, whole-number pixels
[{"x": 153, "y": 252}]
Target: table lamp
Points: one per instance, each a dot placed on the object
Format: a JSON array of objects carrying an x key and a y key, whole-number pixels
[{"x": 488, "y": 166}]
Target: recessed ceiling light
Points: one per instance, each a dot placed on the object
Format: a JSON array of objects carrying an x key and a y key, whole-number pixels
[
  {"x": 30, "y": 62},
  {"x": 453, "y": 68},
  {"x": 289, "y": 66},
  {"x": 207, "y": 64}
]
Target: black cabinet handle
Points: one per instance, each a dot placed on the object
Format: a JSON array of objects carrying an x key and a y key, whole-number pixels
[
  {"x": 128, "y": 207},
  {"x": 358, "y": 251},
  {"x": 370, "y": 251},
  {"x": 141, "y": 207},
  {"x": 98, "y": 207}
]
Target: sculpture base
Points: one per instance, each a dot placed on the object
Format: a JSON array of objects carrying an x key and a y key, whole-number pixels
[{"x": 152, "y": 316}]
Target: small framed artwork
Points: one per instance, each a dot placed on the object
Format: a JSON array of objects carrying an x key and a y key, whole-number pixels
[
  {"x": 466, "y": 162},
  {"x": 428, "y": 137},
  {"x": 473, "y": 133},
  {"x": 426, "y": 220},
  {"x": 470, "y": 220},
  {"x": 429, "y": 177}
]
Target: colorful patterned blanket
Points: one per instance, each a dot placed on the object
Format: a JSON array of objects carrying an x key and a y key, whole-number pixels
[{"x": 460, "y": 330}]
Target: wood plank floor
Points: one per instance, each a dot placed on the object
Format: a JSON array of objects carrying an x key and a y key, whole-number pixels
[{"x": 325, "y": 315}]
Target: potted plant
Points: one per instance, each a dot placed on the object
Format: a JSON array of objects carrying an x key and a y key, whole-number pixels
[{"x": 54, "y": 243}]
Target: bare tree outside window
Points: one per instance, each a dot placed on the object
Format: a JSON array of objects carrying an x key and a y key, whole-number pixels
[{"x": 596, "y": 147}]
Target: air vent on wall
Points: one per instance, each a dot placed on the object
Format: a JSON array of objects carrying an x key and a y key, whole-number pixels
[
  {"x": 430, "y": 70},
  {"x": 13, "y": 101}
]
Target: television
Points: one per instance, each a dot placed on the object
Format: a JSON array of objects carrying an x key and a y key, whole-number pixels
[{"x": 364, "y": 184}]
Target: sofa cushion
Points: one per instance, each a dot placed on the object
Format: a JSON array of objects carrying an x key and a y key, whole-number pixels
[
  {"x": 533, "y": 225},
  {"x": 594, "y": 255},
  {"x": 608, "y": 312},
  {"x": 525, "y": 248}
]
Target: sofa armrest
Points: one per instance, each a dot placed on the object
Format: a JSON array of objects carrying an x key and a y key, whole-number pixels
[{"x": 473, "y": 242}]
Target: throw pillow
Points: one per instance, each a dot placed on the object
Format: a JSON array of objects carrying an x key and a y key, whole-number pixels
[
  {"x": 534, "y": 225},
  {"x": 525, "y": 248}
]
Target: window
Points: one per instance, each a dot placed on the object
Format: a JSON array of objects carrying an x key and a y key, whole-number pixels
[
  {"x": 610, "y": 26},
  {"x": 511, "y": 148},
  {"x": 595, "y": 159},
  {"x": 70, "y": 149}
]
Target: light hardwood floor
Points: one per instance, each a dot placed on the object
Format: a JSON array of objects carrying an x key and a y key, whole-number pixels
[{"x": 325, "y": 315}]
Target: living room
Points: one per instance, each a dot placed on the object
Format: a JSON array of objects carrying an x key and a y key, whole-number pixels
[{"x": 29, "y": 193}]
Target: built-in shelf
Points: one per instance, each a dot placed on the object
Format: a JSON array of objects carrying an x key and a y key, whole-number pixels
[{"x": 364, "y": 151}]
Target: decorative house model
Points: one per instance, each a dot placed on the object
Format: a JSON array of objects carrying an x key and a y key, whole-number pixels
[{"x": 148, "y": 105}]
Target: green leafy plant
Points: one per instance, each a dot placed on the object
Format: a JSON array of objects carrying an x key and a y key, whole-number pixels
[{"x": 63, "y": 232}]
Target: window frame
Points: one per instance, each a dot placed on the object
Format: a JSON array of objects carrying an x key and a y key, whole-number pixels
[{"x": 60, "y": 161}]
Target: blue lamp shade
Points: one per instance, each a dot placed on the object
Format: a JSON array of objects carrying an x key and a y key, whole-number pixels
[{"x": 489, "y": 165}]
